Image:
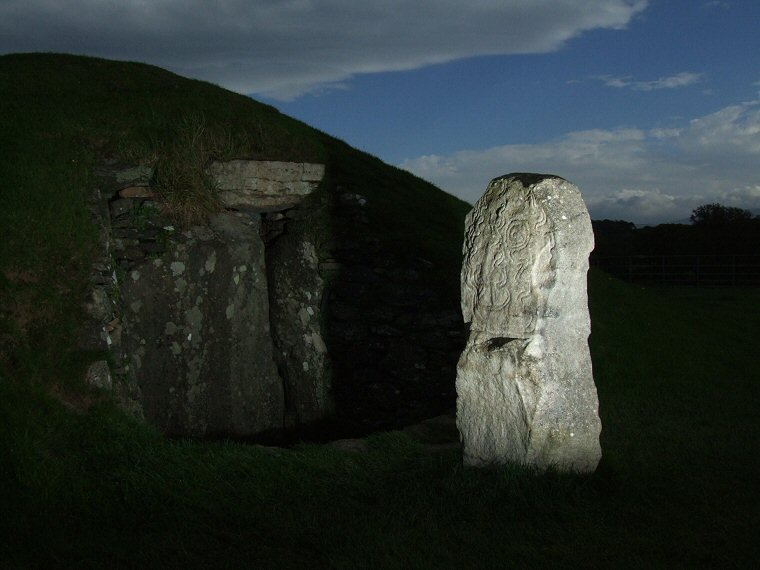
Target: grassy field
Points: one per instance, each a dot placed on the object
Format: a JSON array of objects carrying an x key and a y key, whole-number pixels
[
  {"x": 83, "y": 486},
  {"x": 678, "y": 388}
]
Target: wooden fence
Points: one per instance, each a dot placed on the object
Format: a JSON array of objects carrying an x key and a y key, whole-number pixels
[{"x": 697, "y": 270}]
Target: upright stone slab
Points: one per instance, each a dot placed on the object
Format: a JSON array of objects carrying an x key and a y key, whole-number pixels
[
  {"x": 525, "y": 390},
  {"x": 296, "y": 295},
  {"x": 196, "y": 328}
]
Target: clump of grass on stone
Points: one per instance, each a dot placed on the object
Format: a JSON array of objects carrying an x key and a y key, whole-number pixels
[{"x": 181, "y": 176}]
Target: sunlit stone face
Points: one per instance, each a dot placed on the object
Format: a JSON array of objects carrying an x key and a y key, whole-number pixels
[{"x": 524, "y": 383}]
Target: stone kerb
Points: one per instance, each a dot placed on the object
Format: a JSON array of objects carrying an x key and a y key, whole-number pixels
[
  {"x": 525, "y": 390},
  {"x": 265, "y": 185}
]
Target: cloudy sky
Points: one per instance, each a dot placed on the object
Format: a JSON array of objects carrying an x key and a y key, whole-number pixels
[{"x": 652, "y": 107}]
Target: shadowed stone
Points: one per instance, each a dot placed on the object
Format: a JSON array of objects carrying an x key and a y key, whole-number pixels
[
  {"x": 196, "y": 327},
  {"x": 99, "y": 375},
  {"x": 525, "y": 390},
  {"x": 295, "y": 304}
]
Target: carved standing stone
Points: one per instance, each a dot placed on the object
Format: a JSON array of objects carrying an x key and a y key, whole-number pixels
[{"x": 525, "y": 390}]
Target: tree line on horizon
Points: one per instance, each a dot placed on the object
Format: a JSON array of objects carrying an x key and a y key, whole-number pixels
[{"x": 715, "y": 229}]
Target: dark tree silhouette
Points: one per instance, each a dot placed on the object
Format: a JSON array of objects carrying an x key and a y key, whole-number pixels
[
  {"x": 714, "y": 214},
  {"x": 724, "y": 230}
]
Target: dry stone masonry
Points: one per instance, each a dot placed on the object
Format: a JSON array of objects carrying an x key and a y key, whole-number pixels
[
  {"x": 525, "y": 390},
  {"x": 394, "y": 338}
]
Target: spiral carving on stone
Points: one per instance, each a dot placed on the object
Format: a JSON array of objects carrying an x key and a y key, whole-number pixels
[{"x": 514, "y": 265}]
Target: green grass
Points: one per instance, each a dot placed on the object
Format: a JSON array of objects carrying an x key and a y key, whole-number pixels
[
  {"x": 678, "y": 386},
  {"x": 82, "y": 486}
]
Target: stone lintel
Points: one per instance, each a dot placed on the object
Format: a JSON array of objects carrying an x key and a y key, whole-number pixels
[{"x": 265, "y": 184}]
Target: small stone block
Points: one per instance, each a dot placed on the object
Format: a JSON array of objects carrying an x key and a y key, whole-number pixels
[
  {"x": 120, "y": 207},
  {"x": 137, "y": 192},
  {"x": 99, "y": 375}
]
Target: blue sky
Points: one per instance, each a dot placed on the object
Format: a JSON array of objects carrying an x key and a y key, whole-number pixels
[{"x": 650, "y": 107}]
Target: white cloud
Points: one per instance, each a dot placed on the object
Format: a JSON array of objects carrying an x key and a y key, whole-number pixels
[
  {"x": 642, "y": 206},
  {"x": 645, "y": 177},
  {"x": 284, "y": 48},
  {"x": 746, "y": 197},
  {"x": 733, "y": 132},
  {"x": 683, "y": 79},
  {"x": 665, "y": 133}
]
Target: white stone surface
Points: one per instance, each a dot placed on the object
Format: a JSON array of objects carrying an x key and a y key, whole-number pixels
[
  {"x": 98, "y": 374},
  {"x": 525, "y": 389},
  {"x": 265, "y": 184}
]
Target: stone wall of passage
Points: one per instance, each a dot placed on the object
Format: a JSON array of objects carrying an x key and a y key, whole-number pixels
[
  {"x": 185, "y": 312},
  {"x": 283, "y": 312}
]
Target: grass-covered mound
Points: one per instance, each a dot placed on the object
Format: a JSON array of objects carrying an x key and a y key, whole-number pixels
[
  {"x": 83, "y": 486},
  {"x": 60, "y": 116},
  {"x": 63, "y": 115}
]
